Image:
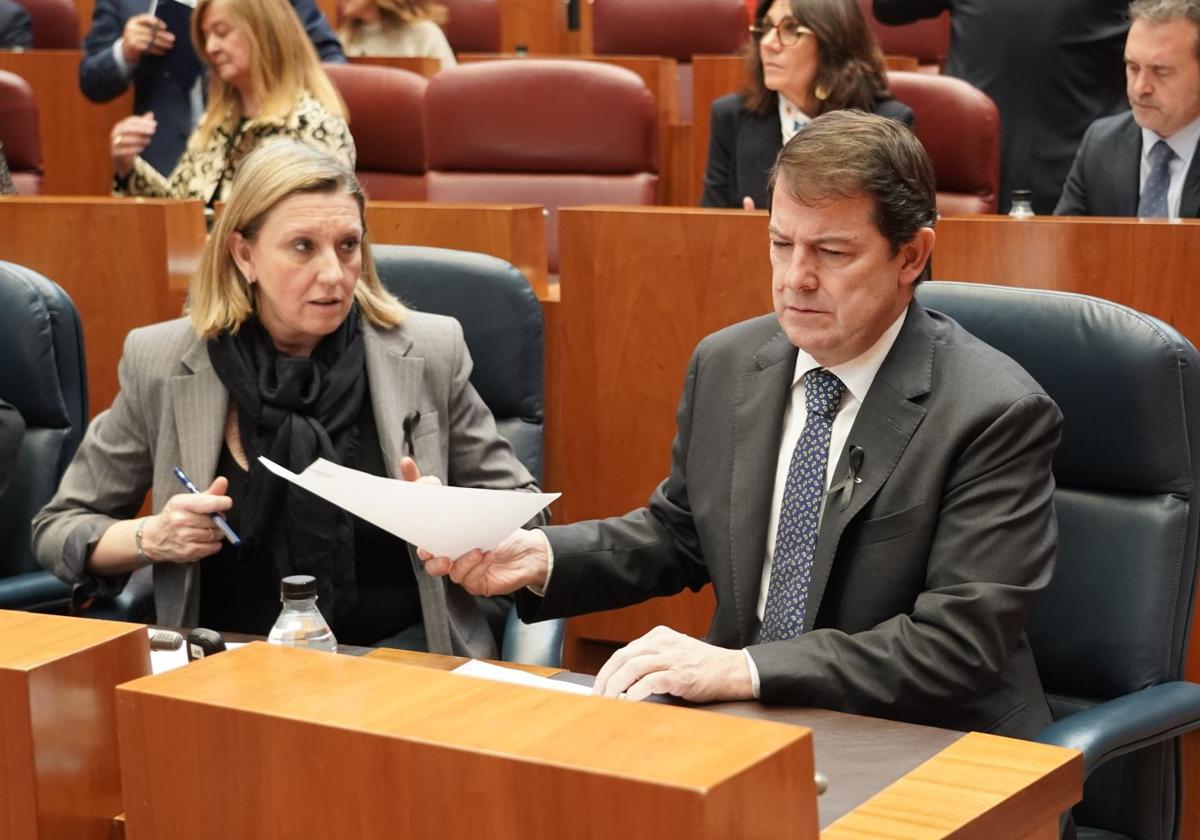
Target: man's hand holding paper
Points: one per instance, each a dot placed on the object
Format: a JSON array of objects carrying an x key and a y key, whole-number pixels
[{"x": 521, "y": 559}]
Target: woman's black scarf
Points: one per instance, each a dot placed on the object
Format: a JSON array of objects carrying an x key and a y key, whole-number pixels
[{"x": 294, "y": 410}]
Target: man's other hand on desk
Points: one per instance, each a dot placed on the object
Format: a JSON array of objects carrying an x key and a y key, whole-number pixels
[
  {"x": 667, "y": 662},
  {"x": 522, "y": 559}
]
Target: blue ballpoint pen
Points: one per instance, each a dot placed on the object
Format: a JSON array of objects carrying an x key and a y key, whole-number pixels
[{"x": 217, "y": 518}]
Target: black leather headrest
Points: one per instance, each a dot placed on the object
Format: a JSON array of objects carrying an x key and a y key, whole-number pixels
[
  {"x": 500, "y": 316},
  {"x": 1092, "y": 355},
  {"x": 41, "y": 345}
]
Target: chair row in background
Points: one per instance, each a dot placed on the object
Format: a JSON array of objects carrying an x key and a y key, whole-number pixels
[{"x": 657, "y": 39}]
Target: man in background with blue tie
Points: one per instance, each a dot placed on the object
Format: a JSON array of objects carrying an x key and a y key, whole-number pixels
[
  {"x": 866, "y": 485},
  {"x": 1143, "y": 163}
]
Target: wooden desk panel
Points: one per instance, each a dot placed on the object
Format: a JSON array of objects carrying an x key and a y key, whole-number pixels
[
  {"x": 713, "y": 76},
  {"x": 1148, "y": 265},
  {"x": 427, "y": 67},
  {"x": 125, "y": 262},
  {"x": 59, "y": 770},
  {"x": 267, "y": 741},
  {"x": 639, "y": 288},
  {"x": 900, "y": 781},
  {"x": 513, "y": 232},
  {"x": 75, "y": 146}
]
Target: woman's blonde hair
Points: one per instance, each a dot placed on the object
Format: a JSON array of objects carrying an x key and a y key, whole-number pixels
[
  {"x": 283, "y": 64},
  {"x": 220, "y": 298}
]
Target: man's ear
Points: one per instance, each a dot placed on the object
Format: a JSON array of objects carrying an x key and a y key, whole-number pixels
[
  {"x": 915, "y": 254},
  {"x": 243, "y": 255}
]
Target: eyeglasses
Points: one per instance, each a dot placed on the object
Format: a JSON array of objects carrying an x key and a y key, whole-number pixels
[{"x": 789, "y": 30}]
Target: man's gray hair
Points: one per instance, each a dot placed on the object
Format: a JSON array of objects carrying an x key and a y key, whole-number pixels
[{"x": 1165, "y": 11}]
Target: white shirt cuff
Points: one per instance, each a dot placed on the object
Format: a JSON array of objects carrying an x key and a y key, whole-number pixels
[
  {"x": 540, "y": 591},
  {"x": 119, "y": 58},
  {"x": 754, "y": 682}
]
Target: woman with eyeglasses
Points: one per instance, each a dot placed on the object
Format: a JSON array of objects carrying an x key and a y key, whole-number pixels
[{"x": 806, "y": 57}]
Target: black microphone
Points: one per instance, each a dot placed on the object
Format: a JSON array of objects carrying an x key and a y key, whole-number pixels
[{"x": 203, "y": 642}]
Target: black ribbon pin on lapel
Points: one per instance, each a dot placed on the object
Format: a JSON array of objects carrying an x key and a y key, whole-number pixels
[
  {"x": 410, "y": 423},
  {"x": 854, "y": 460}
]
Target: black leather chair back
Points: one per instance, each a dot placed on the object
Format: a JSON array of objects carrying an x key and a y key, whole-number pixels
[
  {"x": 502, "y": 324},
  {"x": 42, "y": 373},
  {"x": 1115, "y": 619}
]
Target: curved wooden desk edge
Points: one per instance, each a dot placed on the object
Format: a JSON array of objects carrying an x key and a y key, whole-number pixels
[{"x": 979, "y": 786}]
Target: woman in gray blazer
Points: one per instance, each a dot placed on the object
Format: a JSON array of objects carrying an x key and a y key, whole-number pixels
[{"x": 292, "y": 350}]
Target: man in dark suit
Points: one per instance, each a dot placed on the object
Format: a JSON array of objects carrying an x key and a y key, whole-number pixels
[
  {"x": 1144, "y": 163},
  {"x": 127, "y": 45},
  {"x": 16, "y": 29},
  {"x": 1051, "y": 66},
  {"x": 866, "y": 485}
]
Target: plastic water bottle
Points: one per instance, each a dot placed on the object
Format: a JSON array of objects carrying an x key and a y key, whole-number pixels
[
  {"x": 1022, "y": 204},
  {"x": 300, "y": 623}
]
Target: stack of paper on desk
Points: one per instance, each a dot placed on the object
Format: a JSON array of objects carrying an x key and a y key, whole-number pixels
[{"x": 448, "y": 521}]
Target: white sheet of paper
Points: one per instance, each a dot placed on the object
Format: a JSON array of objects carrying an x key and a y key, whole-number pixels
[
  {"x": 498, "y": 673},
  {"x": 448, "y": 521}
]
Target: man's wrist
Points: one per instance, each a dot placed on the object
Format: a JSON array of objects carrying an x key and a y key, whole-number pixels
[
  {"x": 539, "y": 589},
  {"x": 138, "y": 536},
  {"x": 755, "y": 685}
]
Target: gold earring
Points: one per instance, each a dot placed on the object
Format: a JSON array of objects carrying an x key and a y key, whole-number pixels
[{"x": 821, "y": 92}]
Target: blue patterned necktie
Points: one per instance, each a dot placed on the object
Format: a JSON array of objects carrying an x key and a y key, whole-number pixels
[
  {"x": 799, "y": 514},
  {"x": 1153, "y": 203}
]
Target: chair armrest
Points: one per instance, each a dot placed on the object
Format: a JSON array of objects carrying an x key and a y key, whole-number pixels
[
  {"x": 540, "y": 643},
  {"x": 1127, "y": 723}
]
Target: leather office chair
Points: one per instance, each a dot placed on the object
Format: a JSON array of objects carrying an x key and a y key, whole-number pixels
[
  {"x": 473, "y": 25},
  {"x": 55, "y": 24},
  {"x": 928, "y": 41},
  {"x": 386, "y": 110},
  {"x": 547, "y": 132},
  {"x": 502, "y": 324},
  {"x": 960, "y": 128},
  {"x": 671, "y": 29},
  {"x": 1110, "y": 632},
  {"x": 42, "y": 373},
  {"x": 19, "y": 133}
]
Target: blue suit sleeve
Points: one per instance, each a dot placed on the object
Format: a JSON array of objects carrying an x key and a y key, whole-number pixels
[
  {"x": 329, "y": 49},
  {"x": 100, "y": 78}
]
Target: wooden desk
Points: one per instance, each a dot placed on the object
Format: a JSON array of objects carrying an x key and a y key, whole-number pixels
[
  {"x": 900, "y": 780},
  {"x": 513, "y": 232},
  {"x": 422, "y": 66},
  {"x": 74, "y": 130},
  {"x": 59, "y": 768},
  {"x": 125, "y": 262}
]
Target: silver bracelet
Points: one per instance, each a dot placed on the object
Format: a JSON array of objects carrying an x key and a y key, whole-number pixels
[{"x": 137, "y": 541}]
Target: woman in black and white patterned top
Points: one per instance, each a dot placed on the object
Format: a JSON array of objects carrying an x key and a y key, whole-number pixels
[{"x": 264, "y": 81}]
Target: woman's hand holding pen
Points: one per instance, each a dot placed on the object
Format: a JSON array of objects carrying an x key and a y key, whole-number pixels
[{"x": 183, "y": 532}]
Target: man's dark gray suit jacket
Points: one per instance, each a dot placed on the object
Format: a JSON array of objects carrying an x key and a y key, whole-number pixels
[
  {"x": 921, "y": 584},
  {"x": 1104, "y": 179}
]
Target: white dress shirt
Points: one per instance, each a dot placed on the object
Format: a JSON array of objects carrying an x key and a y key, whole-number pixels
[{"x": 1183, "y": 144}]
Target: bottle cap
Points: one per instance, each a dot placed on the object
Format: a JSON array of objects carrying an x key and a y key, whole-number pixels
[
  {"x": 298, "y": 587},
  {"x": 1022, "y": 195}
]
